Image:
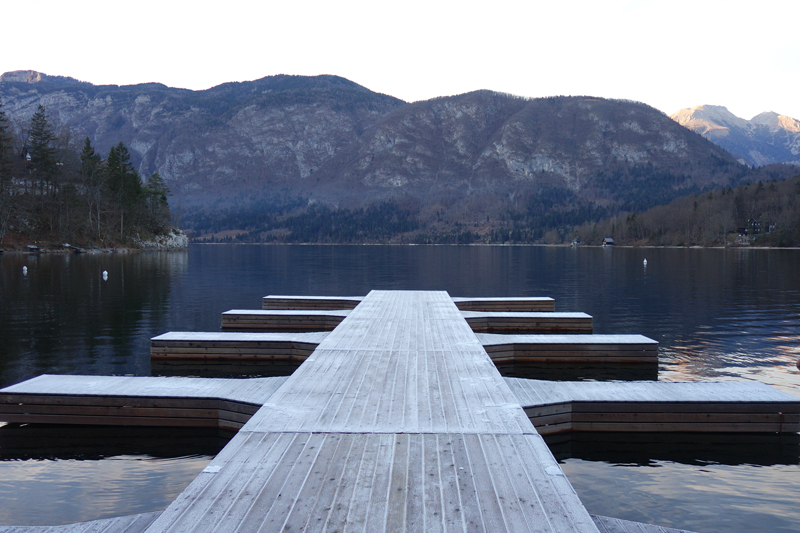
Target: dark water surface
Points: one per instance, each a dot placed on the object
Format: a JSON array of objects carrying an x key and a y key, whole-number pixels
[{"x": 718, "y": 314}]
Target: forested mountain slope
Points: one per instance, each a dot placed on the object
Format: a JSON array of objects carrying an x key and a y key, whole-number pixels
[{"x": 322, "y": 158}]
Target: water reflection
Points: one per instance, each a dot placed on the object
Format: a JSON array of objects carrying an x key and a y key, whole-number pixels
[
  {"x": 712, "y": 498},
  {"x": 64, "y": 318},
  {"x": 718, "y": 314},
  {"x": 51, "y": 475}
]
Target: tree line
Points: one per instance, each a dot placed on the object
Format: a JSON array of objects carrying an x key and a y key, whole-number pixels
[
  {"x": 765, "y": 213},
  {"x": 52, "y": 191}
]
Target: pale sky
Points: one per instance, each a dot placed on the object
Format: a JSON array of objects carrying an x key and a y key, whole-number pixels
[{"x": 672, "y": 54}]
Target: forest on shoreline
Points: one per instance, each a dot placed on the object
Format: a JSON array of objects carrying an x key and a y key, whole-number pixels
[
  {"x": 754, "y": 214},
  {"x": 55, "y": 189}
]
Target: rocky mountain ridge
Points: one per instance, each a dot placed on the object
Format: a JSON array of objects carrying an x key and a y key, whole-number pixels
[
  {"x": 284, "y": 144},
  {"x": 765, "y": 139}
]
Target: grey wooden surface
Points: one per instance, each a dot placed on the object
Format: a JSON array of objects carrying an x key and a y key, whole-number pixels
[
  {"x": 282, "y": 320},
  {"x": 399, "y": 421},
  {"x": 138, "y": 523},
  {"x": 577, "y": 348},
  {"x": 527, "y": 322},
  {"x": 652, "y": 406}
]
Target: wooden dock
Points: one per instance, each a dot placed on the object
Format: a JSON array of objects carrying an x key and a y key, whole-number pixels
[
  {"x": 652, "y": 406},
  {"x": 592, "y": 349},
  {"x": 281, "y": 321},
  {"x": 480, "y": 321},
  {"x": 332, "y": 303},
  {"x": 136, "y": 401},
  {"x": 397, "y": 421},
  {"x": 139, "y": 524},
  {"x": 237, "y": 346},
  {"x": 240, "y": 346},
  {"x": 521, "y": 323},
  {"x": 552, "y": 406}
]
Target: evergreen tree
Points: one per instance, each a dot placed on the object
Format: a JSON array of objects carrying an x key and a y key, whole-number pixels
[
  {"x": 91, "y": 174},
  {"x": 42, "y": 151},
  {"x": 6, "y": 205},
  {"x": 123, "y": 181},
  {"x": 5, "y": 151}
]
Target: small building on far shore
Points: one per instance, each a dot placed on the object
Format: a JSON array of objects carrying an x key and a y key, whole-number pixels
[{"x": 608, "y": 241}]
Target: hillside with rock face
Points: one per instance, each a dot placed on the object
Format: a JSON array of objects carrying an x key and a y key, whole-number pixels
[
  {"x": 765, "y": 139},
  {"x": 271, "y": 132},
  {"x": 485, "y": 151},
  {"x": 255, "y": 156}
]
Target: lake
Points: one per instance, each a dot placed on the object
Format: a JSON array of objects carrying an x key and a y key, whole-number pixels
[{"x": 719, "y": 314}]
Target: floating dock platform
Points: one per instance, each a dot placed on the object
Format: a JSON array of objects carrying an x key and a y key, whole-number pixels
[{"x": 397, "y": 421}]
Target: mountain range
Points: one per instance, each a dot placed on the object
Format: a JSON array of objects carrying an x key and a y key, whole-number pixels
[
  {"x": 766, "y": 138},
  {"x": 283, "y": 145}
]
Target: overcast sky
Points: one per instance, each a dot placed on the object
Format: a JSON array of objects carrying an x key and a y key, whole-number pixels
[{"x": 670, "y": 54}]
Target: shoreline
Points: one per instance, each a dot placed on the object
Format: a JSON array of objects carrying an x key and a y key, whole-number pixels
[{"x": 627, "y": 246}]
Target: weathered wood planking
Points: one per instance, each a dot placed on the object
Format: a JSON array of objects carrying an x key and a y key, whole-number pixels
[
  {"x": 520, "y": 323},
  {"x": 570, "y": 348},
  {"x": 522, "y": 304},
  {"x": 281, "y": 321},
  {"x": 398, "y": 421},
  {"x": 556, "y": 406},
  {"x": 120, "y": 524},
  {"x": 310, "y": 302},
  {"x": 237, "y": 346},
  {"x": 137, "y": 401},
  {"x": 552, "y": 406},
  {"x": 138, "y": 524},
  {"x": 234, "y": 346}
]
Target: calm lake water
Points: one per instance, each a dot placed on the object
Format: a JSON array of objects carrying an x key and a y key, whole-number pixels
[{"x": 718, "y": 314}]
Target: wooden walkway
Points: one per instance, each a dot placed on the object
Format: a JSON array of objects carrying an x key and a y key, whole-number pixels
[
  {"x": 399, "y": 421},
  {"x": 236, "y": 346},
  {"x": 136, "y": 401},
  {"x": 520, "y": 323},
  {"x": 577, "y": 348},
  {"x": 240, "y": 346},
  {"x": 139, "y": 523},
  {"x": 524, "y": 304},
  {"x": 552, "y": 406},
  {"x": 653, "y": 406},
  {"x": 480, "y": 321},
  {"x": 281, "y": 321}
]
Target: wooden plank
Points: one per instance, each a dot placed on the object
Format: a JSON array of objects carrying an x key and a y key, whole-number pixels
[
  {"x": 523, "y": 304},
  {"x": 516, "y": 322},
  {"x": 657, "y": 407},
  {"x": 281, "y": 320},
  {"x": 310, "y": 302},
  {"x": 375, "y": 445}
]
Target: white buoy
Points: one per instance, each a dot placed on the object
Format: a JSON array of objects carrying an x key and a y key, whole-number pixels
[
  {"x": 105, "y": 275},
  {"x": 24, "y": 271},
  {"x": 645, "y": 262}
]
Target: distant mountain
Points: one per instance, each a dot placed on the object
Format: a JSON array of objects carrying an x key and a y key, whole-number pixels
[
  {"x": 254, "y": 154},
  {"x": 765, "y": 139}
]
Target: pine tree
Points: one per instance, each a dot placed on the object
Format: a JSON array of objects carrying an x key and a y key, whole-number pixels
[
  {"x": 41, "y": 141},
  {"x": 6, "y": 204},
  {"x": 91, "y": 174},
  {"x": 5, "y": 151},
  {"x": 123, "y": 181}
]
